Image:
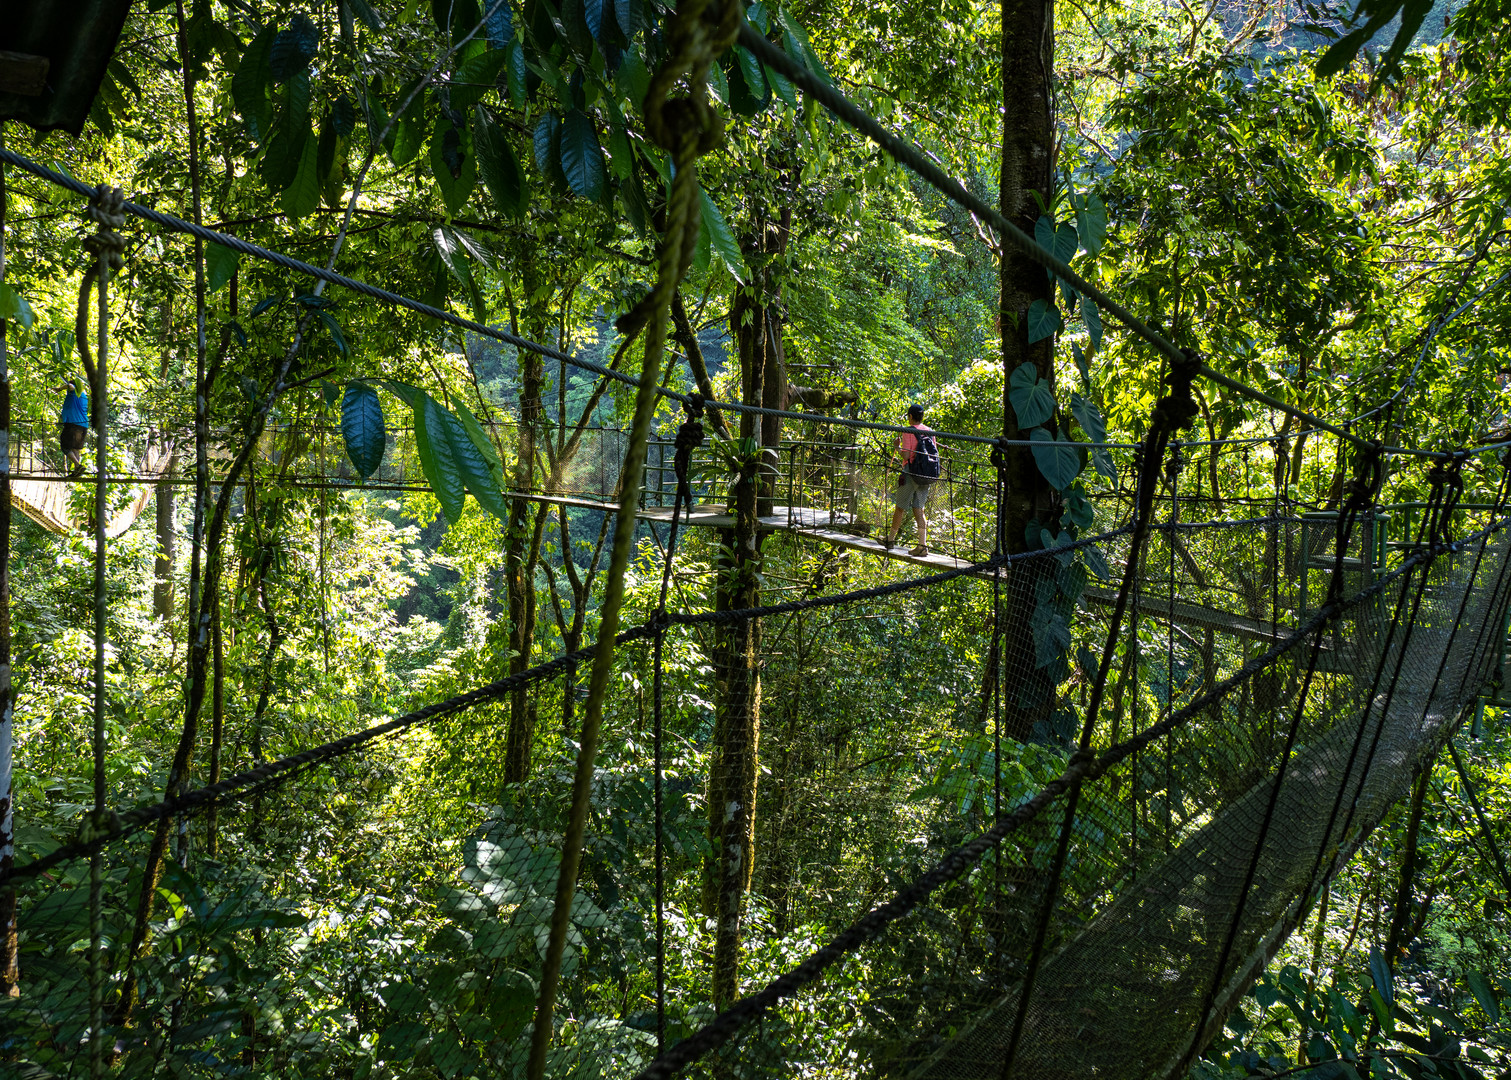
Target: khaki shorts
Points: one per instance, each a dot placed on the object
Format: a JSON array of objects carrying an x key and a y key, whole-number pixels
[{"x": 911, "y": 493}]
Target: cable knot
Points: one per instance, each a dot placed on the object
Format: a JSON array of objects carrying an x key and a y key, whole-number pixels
[
  {"x": 1000, "y": 450},
  {"x": 1177, "y": 409},
  {"x": 107, "y": 211}
]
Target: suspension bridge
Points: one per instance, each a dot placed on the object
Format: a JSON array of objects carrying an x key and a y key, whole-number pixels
[{"x": 1104, "y": 922}]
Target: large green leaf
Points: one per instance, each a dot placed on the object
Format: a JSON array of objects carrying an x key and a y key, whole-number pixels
[
  {"x": 476, "y": 76},
  {"x": 453, "y": 163},
  {"x": 721, "y": 239},
  {"x": 1086, "y": 414},
  {"x": 293, "y": 48},
  {"x": 499, "y": 168},
  {"x": 472, "y": 467},
  {"x": 407, "y": 140},
  {"x": 1059, "y": 460},
  {"x": 249, "y": 86},
  {"x": 1043, "y": 321},
  {"x": 442, "y": 471},
  {"x": 1380, "y": 972},
  {"x": 1484, "y": 993},
  {"x": 302, "y": 196},
  {"x": 484, "y": 444},
  {"x": 1092, "y": 222},
  {"x": 581, "y": 156},
  {"x": 362, "y": 428},
  {"x": 1066, "y": 242},
  {"x": 1091, "y": 315},
  {"x": 630, "y": 14},
  {"x": 13, "y": 307},
  {"x": 548, "y": 150},
  {"x": 499, "y": 18},
  {"x": 1031, "y": 397}
]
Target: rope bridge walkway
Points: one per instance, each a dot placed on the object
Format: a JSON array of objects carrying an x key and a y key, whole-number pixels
[{"x": 1096, "y": 909}]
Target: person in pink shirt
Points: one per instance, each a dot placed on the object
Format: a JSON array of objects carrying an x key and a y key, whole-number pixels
[{"x": 919, "y": 452}]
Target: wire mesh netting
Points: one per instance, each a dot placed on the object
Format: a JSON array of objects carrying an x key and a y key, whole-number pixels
[{"x": 317, "y": 949}]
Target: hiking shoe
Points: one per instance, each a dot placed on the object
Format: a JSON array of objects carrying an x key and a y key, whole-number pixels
[
  {"x": 921, "y": 549},
  {"x": 886, "y": 543}
]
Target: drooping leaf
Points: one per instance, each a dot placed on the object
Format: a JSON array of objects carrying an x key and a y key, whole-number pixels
[
  {"x": 634, "y": 79},
  {"x": 343, "y": 116},
  {"x": 475, "y": 76},
  {"x": 721, "y": 239},
  {"x": 453, "y": 163},
  {"x": 1484, "y": 993},
  {"x": 362, "y": 428},
  {"x": 749, "y": 92},
  {"x": 1043, "y": 320},
  {"x": 302, "y": 195},
  {"x": 630, "y": 14},
  {"x": 408, "y": 139},
  {"x": 293, "y": 48},
  {"x": 548, "y": 150},
  {"x": 1059, "y": 460},
  {"x": 1379, "y": 971},
  {"x": 442, "y": 471},
  {"x": 13, "y": 307},
  {"x": 334, "y": 329},
  {"x": 1091, "y": 222},
  {"x": 1030, "y": 396},
  {"x": 780, "y": 85},
  {"x": 484, "y": 444},
  {"x": 594, "y": 12},
  {"x": 363, "y": 10},
  {"x": 581, "y": 156},
  {"x": 455, "y": 452},
  {"x": 265, "y": 303},
  {"x": 1090, "y": 418},
  {"x": 517, "y": 75},
  {"x": 1066, "y": 242},
  {"x": 220, "y": 266},
  {"x": 499, "y": 20},
  {"x": 1091, "y": 315},
  {"x": 1051, "y": 634},
  {"x": 249, "y": 86},
  {"x": 499, "y": 168}
]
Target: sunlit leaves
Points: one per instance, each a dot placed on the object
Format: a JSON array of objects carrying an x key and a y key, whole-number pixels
[
  {"x": 220, "y": 266},
  {"x": 721, "y": 238},
  {"x": 13, "y": 307}
]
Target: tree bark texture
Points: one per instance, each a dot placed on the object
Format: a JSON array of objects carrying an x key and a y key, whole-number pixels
[
  {"x": 162, "y": 570},
  {"x": 522, "y": 547},
  {"x": 1026, "y": 167}
]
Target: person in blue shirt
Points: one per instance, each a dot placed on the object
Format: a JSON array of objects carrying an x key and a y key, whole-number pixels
[{"x": 74, "y": 424}]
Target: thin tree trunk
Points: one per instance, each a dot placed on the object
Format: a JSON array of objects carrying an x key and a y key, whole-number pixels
[
  {"x": 162, "y": 587},
  {"x": 10, "y": 971},
  {"x": 1027, "y": 166},
  {"x": 520, "y": 555}
]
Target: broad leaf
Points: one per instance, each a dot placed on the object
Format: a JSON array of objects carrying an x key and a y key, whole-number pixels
[
  {"x": 499, "y": 22},
  {"x": 1051, "y": 634},
  {"x": 1044, "y": 232},
  {"x": 333, "y": 328},
  {"x": 721, "y": 238},
  {"x": 1379, "y": 971},
  {"x": 581, "y": 156},
  {"x": 249, "y": 86},
  {"x": 362, "y": 428},
  {"x": 1059, "y": 460},
  {"x": 407, "y": 140},
  {"x": 451, "y": 442},
  {"x": 780, "y": 85},
  {"x": 442, "y": 470},
  {"x": 293, "y": 49},
  {"x": 1086, "y": 414},
  {"x": 453, "y": 164},
  {"x": 594, "y": 12},
  {"x": 548, "y": 150},
  {"x": 1484, "y": 993},
  {"x": 1032, "y": 400},
  {"x": 1043, "y": 321},
  {"x": 484, "y": 444},
  {"x": 1066, "y": 242},
  {"x": 630, "y": 14},
  {"x": 1092, "y": 222},
  {"x": 499, "y": 168},
  {"x": 475, "y": 77},
  {"x": 1091, "y": 315},
  {"x": 302, "y": 196},
  {"x": 13, "y": 307}
]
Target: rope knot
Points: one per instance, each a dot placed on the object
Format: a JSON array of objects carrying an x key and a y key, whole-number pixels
[
  {"x": 1177, "y": 409},
  {"x": 1000, "y": 450},
  {"x": 107, "y": 211},
  {"x": 684, "y": 123}
]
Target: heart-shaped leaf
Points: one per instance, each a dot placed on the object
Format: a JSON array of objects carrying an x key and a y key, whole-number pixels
[
  {"x": 1059, "y": 460},
  {"x": 1043, "y": 321},
  {"x": 1031, "y": 398}
]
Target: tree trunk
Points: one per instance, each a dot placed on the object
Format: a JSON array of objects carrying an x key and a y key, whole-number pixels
[
  {"x": 520, "y": 554},
  {"x": 1027, "y": 166},
  {"x": 162, "y": 588}
]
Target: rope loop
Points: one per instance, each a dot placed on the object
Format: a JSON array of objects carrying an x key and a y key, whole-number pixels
[
  {"x": 689, "y": 438},
  {"x": 683, "y": 123},
  {"x": 1177, "y": 409}
]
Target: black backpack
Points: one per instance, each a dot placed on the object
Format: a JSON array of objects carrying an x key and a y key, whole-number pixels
[{"x": 925, "y": 463}]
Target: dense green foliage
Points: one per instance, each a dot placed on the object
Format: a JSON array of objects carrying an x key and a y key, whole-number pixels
[{"x": 1335, "y": 241}]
